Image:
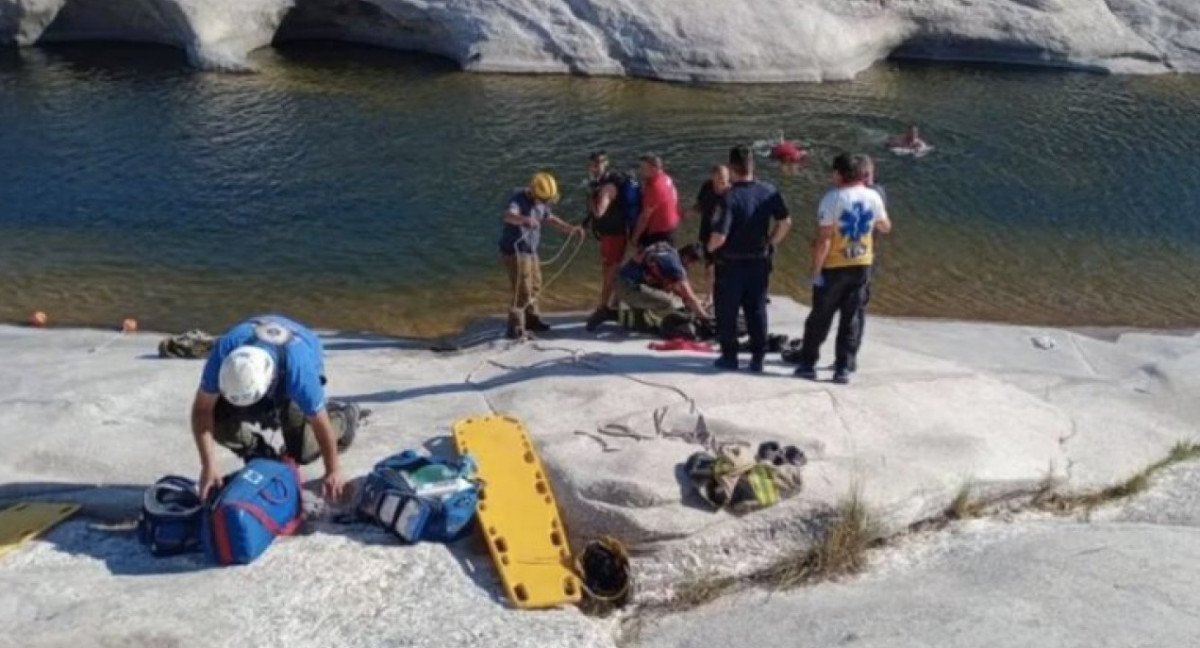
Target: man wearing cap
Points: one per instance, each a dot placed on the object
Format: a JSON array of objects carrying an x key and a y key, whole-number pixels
[
  {"x": 656, "y": 280},
  {"x": 520, "y": 237},
  {"x": 660, "y": 204},
  {"x": 751, "y": 223},
  {"x": 268, "y": 372}
]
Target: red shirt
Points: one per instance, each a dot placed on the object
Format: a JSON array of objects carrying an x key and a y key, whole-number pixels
[{"x": 662, "y": 201}]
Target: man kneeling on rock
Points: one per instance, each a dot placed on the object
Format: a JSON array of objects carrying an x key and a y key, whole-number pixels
[
  {"x": 655, "y": 281},
  {"x": 268, "y": 372}
]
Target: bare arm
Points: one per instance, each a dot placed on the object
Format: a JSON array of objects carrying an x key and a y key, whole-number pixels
[
  {"x": 332, "y": 484},
  {"x": 715, "y": 241},
  {"x": 684, "y": 290},
  {"x": 883, "y": 224},
  {"x": 514, "y": 217},
  {"x": 202, "y": 425},
  {"x": 326, "y": 439},
  {"x": 821, "y": 247},
  {"x": 782, "y": 227},
  {"x": 642, "y": 223},
  {"x": 562, "y": 225},
  {"x": 604, "y": 200}
]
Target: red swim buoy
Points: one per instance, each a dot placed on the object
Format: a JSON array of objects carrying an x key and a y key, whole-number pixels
[
  {"x": 129, "y": 325},
  {"x": 38, "y": 319}
]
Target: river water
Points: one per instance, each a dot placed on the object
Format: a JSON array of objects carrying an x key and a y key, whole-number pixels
[{"x": 362, "y": 189}]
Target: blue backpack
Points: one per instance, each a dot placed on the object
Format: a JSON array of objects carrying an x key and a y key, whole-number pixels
[
  {"x": 257, "y": 503},
  {"x": 416, "y": 498},
  {"x": 621, "y": 217},
  {"x": 171, "y": 517},
  {"x": 629, "y": 192}
]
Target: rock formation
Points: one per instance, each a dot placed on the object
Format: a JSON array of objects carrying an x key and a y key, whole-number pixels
[{"x": 760, "y": 41}]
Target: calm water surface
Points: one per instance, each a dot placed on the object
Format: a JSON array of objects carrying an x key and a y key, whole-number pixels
[{"x": 362, "y": 189}]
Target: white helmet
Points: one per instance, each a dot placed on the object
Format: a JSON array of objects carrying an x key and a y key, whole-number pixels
[{"x": 246, "y": 375}]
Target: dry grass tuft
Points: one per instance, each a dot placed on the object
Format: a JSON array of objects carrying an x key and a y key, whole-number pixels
[
  {"x": 963, "y": 506},
  {"x": 1136, "y": 483},
  {"x": 840, "y": 551}
]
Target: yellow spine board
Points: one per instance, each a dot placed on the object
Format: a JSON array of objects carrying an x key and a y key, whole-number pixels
[
  {"x": 23, "y": 522},
  {"x": 518, "y": 514}
]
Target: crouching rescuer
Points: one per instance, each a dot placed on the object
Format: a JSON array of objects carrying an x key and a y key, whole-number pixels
[
  {"x": 656, "y": 281},
  {"x": 267, "y": 374}
]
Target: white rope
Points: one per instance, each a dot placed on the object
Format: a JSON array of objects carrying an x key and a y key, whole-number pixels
[
  {"x": 114, "y": 338},
  {"x": 549, "y": 282}
]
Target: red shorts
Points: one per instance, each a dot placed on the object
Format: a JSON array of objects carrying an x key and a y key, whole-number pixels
[{"x": 612, "y": 249}]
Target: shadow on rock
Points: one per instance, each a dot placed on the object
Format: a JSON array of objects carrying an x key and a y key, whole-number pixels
[
  {"x": 591, "y": 365},
  {"x": 360, "y": 341}
]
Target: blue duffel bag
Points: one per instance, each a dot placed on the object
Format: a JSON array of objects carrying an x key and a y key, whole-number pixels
[{"x": 256, "y": 504}]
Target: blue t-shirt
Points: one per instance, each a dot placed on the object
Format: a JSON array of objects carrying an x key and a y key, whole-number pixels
[
  {"x": 745, "y": 219},
  {"x": 304, "y": 362},
  {"x": 517, "y": 239},
  {"x": 660, "y": 268}
]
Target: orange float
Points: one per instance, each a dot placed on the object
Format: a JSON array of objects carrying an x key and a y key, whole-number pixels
[
  {"x": 38, "y": 319},
  {"x": 129, "y": 325}
]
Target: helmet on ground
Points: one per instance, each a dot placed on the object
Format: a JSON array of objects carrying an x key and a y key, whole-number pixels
[
  {"x": 246, "y": 375},
  {"x": 604, "y": 568},
  {"x": 171, "y": 516},
  {"x": 172, "y": 497},
  {"x": 543, "y": 187}
]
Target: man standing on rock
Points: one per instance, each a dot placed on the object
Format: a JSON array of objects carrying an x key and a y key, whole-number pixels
[
  {"x": 268, "y": 372},
  {"x": 606, "y": 217},
  {"x": 660, "y": 205},
  {"x": 843, "y": 253},
  {"x": 752, "y": 221},
  {"x": 520, "y": 238},
  {"x": 708, "y": 202},
  {"x": 860, "y": 326}
]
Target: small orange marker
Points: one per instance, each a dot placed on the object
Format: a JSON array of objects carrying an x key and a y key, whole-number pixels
[
  {"x": 38, "y": 319},
  {"x": 129, "y": 325}
]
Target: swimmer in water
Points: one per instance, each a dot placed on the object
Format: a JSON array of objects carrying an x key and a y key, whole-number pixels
[
  {"x": 789, "y": 155},
  {"x": 910, "y": 140}
]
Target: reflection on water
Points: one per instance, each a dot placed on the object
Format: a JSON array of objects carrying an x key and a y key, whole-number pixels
[{"x": 360, "y": 188}]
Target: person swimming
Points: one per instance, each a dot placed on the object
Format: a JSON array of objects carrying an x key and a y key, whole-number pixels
[{"x": 910, "y": 140}]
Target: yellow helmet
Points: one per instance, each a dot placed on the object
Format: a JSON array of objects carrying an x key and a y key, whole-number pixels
[{"x": 543, "y": 187}]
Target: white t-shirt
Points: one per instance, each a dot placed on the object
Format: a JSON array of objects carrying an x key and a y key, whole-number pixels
[{"x": 853, "y": 212}]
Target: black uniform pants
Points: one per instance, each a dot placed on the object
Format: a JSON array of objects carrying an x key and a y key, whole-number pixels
[
  {"x": 843, "y": 294},
  {"x": 742, "y": 285}
]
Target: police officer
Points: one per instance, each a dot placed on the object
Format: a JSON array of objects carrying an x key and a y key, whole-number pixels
[{"x": 751, "y": 223}]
